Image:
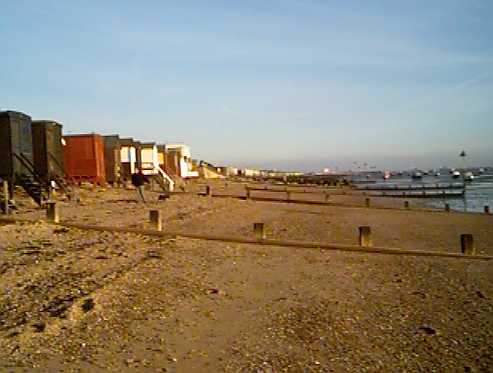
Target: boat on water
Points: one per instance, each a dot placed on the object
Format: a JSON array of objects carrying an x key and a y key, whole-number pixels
[
  {"x": 468, "y": 176},
  {"x": 417, "y": 175},
  {"x": 455, "y": 174}
]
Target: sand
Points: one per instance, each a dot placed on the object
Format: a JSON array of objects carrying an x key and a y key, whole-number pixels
[{"x": 74, "y": 300}]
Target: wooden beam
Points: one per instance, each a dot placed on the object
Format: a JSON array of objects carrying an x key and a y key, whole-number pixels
[{"x": 271, "y": 242}]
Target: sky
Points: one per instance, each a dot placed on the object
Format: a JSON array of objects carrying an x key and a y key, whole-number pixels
[{"x": 286, "y": 84}]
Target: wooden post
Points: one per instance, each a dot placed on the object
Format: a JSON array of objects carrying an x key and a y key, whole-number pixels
[
  {"x": 247, "y": 192},
  {"x": 406, "y": 204},
  {"x": 208, "y": 190},
  {"x": 367, "y": 201},
  {"x": 365, "y": 236},
  {"x": 6, "y": 197},
  {"x": 447, "y": 207},
  {"x": 163, "y": 196},
  {"x": 52, "y": 213},
  {"x": 467, "y": 244},
  {"x": 259, "y": 230},
  {"x": 327, "y": 196},
  {"x": 155, "y": 219},
  {"x": 288, "y": 195},
  {"x": 51, "y": 192},
  {"x": 487, "y": 209}
]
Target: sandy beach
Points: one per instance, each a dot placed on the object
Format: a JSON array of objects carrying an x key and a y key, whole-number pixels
[{"x": 78, "y": 300}]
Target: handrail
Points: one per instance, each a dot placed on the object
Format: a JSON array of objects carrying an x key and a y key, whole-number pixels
[
  {"x": 167, "y": 177},
  {"x": 27, "y": 163},
  {"x": 53, "y": 158},
  {"x": 59, "y": 178}
]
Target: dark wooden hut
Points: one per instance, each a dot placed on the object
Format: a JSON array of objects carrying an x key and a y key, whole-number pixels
[
  {"x": 16, "y": 154},
  {"x": 47, "y": 149}
]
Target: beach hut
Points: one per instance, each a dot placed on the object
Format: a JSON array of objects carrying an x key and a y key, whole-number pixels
[
  {"x": 148, "y": 154},
  {"x": 228, "y": 171},
  {"x": 149, "y": 157},
  {"x": 112, "y": 158},
  {"x": 47, "y": 149},
  {"x": 83, "y": 157},
  {"x": 171, "y": 163},
  {"x": 16, "y": 156},
  {"x": 16, "y": 148},
  {"x": 161, "y": 155},
  {"x": 128, "y": 157},
  {"x": 182, "y": 162}
]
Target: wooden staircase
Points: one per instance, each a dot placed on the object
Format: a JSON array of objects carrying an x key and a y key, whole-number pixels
[
  {"x": 31, "y": 182},
  {"x": 60, "y": 181},
  {"x": 166, "y": 183}
]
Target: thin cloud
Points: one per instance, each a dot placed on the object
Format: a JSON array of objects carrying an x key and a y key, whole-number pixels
[{"x": 473, "y": 81}]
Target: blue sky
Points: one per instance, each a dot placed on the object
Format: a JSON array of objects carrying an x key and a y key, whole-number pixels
[{"x": 299, "y": 84}]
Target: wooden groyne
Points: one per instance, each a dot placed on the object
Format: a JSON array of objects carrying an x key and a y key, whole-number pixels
[
  {"x": 299, "y": 190},
  {"x": 433, "y": 186},
  {"x": 441, "y": 186},
  {"x": 418, "y": 193},
  {"x": 365, "y": 246},
  {"x": 431, "y": 190}
]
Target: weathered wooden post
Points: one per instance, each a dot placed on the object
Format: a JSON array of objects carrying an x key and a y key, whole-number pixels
[
  {"x": 247, "y": 192},
  {"x": 51, "y": 192},
  {"x": 155, "y": 219},
  {"x": 467, "y": 244},
  {"x": 367, "y": 202},
  {"x": 365, "y": 236},
  {"x": 163, "y": 196},
  {"x": 326, "y": 196},
  {"x": 208, "y": 191},
  {"x": 406, "y": 205},
  {"x": 288, "y": 195},
  {"x": 53, "y": 213},
  {"x": 487, "y": 209},
  {"x": 259, "y": 230},
  {"x": 6, "y": 197},
  {"x": 447, "y": 207}
]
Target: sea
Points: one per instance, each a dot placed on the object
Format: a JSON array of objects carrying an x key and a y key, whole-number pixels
[{"x": 478, "y": 192}]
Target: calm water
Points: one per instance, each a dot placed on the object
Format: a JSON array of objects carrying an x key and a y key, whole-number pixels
[{"x": 479, "y": 192}]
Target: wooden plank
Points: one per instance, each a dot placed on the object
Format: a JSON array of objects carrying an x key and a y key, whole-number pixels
[{"x": 271, "y": 242}]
